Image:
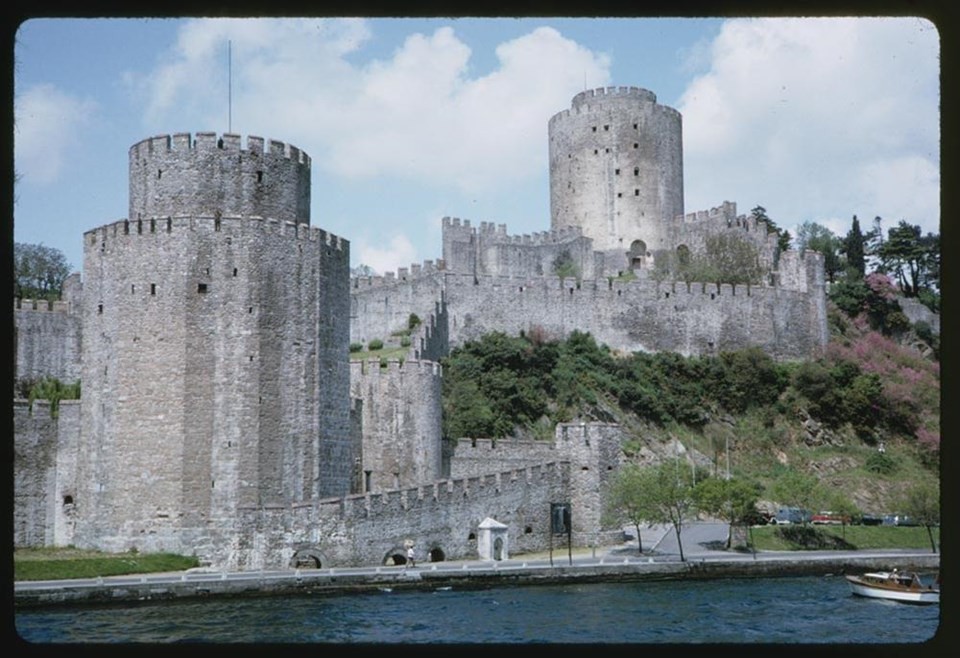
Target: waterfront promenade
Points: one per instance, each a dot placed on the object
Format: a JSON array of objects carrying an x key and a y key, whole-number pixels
[{"x": 660, "y": 561}]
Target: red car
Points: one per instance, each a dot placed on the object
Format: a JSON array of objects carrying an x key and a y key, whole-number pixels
[{"x": 829, "y": 518}]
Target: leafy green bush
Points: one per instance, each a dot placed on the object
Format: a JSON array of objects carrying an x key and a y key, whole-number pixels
[
  {"x": 356, "y": 347},
  {"x": 880, "y": 463},
  {"x": 375, "y": 344}
]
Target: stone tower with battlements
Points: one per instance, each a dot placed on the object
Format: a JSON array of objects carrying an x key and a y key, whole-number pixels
[
  {"x": 215, "y": 335},
  {"x": 616, "y": 171}
]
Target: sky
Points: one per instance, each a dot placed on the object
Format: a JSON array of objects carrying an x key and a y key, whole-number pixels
[{"x": 409, "y": 120}]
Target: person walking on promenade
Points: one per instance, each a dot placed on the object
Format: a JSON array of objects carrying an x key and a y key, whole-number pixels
[{"x": 410, "y": 556}]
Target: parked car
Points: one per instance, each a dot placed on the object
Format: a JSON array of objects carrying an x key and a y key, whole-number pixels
[
  {"x": 831, "y": 518},
  {"x": 899, "y": 520},
  {"x": 867, "y": 519},
  {"x": 787, "y": 515}
]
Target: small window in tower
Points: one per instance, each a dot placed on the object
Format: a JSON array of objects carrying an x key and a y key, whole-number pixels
[
  {"x": 636, "y": 171},
  {"x": 201, "y": 287},
  {"x": 216, "y": 223},
  {"x": 634, "y": 126},
  {"x": 249, "y": 309},
  {"x": 616, "y": 172},
  {"x": 259, "y": 176},
  {"x": 594, "y": 129},
  {"x": 607, "y": 150},
  {"x": 220, "y": 143},
  {"x": 153, "y": 289},
  {"x": 159, "y": 173},
  {"x": 207, "y": 271},
  {"x": 99, "y": 308},
  {"x": 132, "y": 290},
  {"x": 635, "y": 145},
  {"x": 606, "y": 127},
  {"x": 67, "y": 500},
  {"x": 619, "y": 195},
  {"x": 140, "y": 226},
  {"x": 169, "y": 224},
  {"x": 153, "y": 226},
  {"x": 595, "y": 151},
  {"x": 234, "y": 271},
  {"x": 126, "y": 227}
]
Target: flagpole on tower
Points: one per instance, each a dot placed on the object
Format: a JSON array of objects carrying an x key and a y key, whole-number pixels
[{"x": 229, "y": 86}]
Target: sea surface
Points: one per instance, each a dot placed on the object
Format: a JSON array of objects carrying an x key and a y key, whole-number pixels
[{"x": 791, "y": 610}]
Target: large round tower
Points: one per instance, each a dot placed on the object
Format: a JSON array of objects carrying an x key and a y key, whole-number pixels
[
  {"x": 616, "y": 170},
  {"x": 216, "y": 328}
]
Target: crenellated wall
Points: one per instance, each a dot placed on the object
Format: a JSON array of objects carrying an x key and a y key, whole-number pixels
[
  {"x": 47, "y": 340},
  {"x": 369, "y": 529},
  {"x": 207, "y": 174},
  {"x": 401, "y": 426},
  {"x": 490, "y": 250}
]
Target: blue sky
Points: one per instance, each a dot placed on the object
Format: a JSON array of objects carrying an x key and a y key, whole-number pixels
[{"x": 411, "y": 120}]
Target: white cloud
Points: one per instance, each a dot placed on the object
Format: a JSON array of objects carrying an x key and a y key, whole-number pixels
[
  {"x": 46, "y": 120},
  {"x": 416, "y": 115},
  {"x": 384, "y": 256},
  {"x": 817, "y": 118}
]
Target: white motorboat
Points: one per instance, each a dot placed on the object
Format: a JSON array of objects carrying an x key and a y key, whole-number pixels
[{"x": 903, "y": 586}]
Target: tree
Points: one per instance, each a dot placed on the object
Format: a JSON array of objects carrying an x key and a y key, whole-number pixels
[
  {"x": 817, "y": 237},
  {"x": 922, "y": 502},
  {"x": 731, "y": 500},
  {"x": 853, "y": 249},
  {"x": 362, "y": 270},
  {"x": 564, "y": 266},
  {"x": 796, "y": 489},
  {"x": 783, "y": 236},
  {"x": 39, "y": 271},
  {"x": 913, "y": 258},
  {"x": 730, "y": 258},
  {"x": 630, "y": 497},
  {"x": 652, "y": 494}
]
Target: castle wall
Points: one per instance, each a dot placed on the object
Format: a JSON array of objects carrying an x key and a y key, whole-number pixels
[
  {"x": 489, "y": 250},
  {"x": 401, "y": 424},
  {"x": 182, "y": 174},
  {"x": 616, "y": 168},
  {"x": 644, "y": 315},
  {"x": 381, "y": 305},
  {"x": 47, "y": 340},
  {"x": 369, "y": 529},
  {"x": 44, "y": 472},
  {"x": 431, "y": 340},
  {"x": 215, "y": 374}
]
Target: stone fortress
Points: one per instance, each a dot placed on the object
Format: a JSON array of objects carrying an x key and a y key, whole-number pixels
[{"x": 221, "y": 415}]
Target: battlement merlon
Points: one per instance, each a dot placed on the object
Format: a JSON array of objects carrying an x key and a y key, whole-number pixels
[
  {"x": 42, "y": 305},
  {"x": 622, "y": 92},
  {"x": 209, "y": 141}
]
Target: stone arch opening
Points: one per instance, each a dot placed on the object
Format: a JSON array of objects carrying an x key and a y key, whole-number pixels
[
  {"x": 498, "y": 548},
  {"x": 436, "y": 554},
  {"x": 637, "y": 256},
  {"x": 307, "y": 558}
]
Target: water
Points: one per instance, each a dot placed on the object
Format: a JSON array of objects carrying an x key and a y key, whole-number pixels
[{"x": 770, "y": 610}]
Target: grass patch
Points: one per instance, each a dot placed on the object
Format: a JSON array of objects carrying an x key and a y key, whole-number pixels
[
  {"x": 61, "y": 563},
  {"x": 389, "y": 353},
  {"x": 861, "y": 537}
]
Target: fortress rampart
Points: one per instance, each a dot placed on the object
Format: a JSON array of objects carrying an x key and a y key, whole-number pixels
[
  {"x": 401, "y": 420},
  {"x": 47, "y": 340},
  {"x": 209, "y": 175}
]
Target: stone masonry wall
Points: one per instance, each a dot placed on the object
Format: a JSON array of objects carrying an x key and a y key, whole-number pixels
[
  {"x": 44, "y": 460},
  {"x": 47, "y": 340},
  {"x": 368, "y": 529},
  {"x": 401, "y": 424},
  {"x": 616, "y": 168},
  {"x": 177, "y": 175},
  {"x": 212, "y": 376}
]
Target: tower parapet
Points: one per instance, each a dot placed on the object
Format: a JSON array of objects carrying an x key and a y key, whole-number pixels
[{"x": 180, "y": 174}]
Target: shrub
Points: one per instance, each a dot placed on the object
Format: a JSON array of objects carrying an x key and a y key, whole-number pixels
[
  {"x": 375, "y": 344},
  {"x": 356, "y": 347},
  {"x": 405, "y": 341},
  {"x": 880, "y": 463}
]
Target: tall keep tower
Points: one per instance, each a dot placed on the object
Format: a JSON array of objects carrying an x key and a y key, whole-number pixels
[
  {"x": 616, "y": 171},
  {"x": 216, "y": 328}
]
